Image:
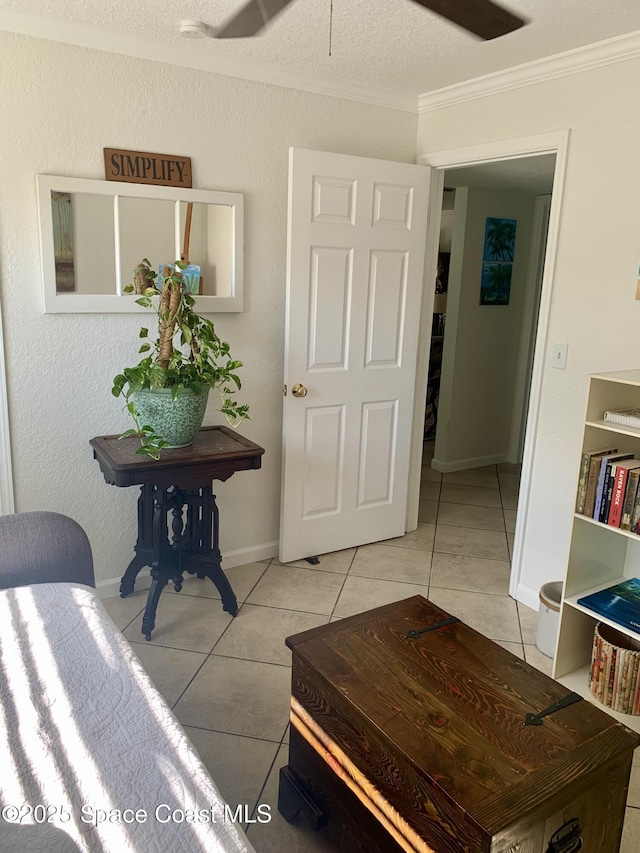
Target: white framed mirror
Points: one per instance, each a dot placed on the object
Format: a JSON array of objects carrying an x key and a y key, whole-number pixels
[{"x": 93, "y": 234}]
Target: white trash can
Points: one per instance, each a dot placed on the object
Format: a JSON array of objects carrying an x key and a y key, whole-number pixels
[{"x": 549, "y": 617}]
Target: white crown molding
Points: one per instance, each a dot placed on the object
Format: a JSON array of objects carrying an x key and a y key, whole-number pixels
[
  {"x": 184, "y": 54},
  {"x": 618, "y": 49}
]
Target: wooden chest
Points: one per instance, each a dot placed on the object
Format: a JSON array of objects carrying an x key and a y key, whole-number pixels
[{"x": 417, "y": 741}]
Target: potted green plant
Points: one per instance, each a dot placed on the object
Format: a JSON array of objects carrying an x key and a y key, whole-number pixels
[{"x": 166, "y": 392}]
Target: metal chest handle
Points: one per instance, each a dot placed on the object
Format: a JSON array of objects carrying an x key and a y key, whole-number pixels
[
  {"x": 536, "y": 719},
  {"x": 414, "y": 633},
  {"x": 567, "y": 839}
]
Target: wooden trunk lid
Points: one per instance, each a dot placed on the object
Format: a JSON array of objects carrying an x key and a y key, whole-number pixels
[{"x": 437, "y": 722}]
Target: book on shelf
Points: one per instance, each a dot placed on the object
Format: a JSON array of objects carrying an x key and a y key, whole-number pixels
[
  {"x": 595, "y": 463},
  {"x": 620, "y": 603},
  {"x": 629, "y": 499},
  {"x": 623, "y": 417},
  {"x": 619, "y": 480},
  {"x": 635, "y": 515},
  {"x": 602, "y": 486},
  {"x": 607, "y": 490},
  {"x": 583, "y": 477}
]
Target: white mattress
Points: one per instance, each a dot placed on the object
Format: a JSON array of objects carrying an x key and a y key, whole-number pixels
[{"x": 84, "y": 736}]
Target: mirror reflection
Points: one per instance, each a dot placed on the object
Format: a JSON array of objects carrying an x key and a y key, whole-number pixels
[
  {"x": 84, "y": 239},
  {"x": 147, "y": 230},
  {"x": 84, "y": 242},
  {"x": 205, "y": 231}
]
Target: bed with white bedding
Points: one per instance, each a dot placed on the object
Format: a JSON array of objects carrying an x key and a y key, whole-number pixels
[{"x": 91, "y": 757}]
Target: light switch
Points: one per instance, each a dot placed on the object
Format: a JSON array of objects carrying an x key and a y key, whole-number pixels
[{"x": 559, "y": 356}]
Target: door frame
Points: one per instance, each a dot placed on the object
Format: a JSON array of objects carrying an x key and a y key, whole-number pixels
[
  {"x": 557, "y": 143},
  {"x": 7, "y": 503},
  {"x": 530, "y": 312}
]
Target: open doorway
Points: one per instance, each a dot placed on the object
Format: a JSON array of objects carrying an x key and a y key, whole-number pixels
[
  {"x": 493, "y": 234},
  {"x": 459, "y": 169}
]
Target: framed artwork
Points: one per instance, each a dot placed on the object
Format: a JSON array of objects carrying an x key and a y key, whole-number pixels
[{"x": 497, "y": 261}]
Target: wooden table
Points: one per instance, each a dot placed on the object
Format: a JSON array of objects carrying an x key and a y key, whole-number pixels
[
  {"x": 410, "y": 732},
  {"x": 180, "y": 478}
]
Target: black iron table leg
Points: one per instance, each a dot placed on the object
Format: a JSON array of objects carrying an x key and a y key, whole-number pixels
[
  {"x": 193, "y": 546},
  {"x": 214, "y": 569},
  {"x": 158, "y": 583},
  {"x": 144, "y": 543},
  {"x": 128, "y": 579},
  {"x": 204, "y": 559},
  {"x": 159, "y": 574}
]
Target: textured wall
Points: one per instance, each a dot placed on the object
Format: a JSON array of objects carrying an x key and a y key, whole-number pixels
[
  {"x": 594, "y": 308},
  {"x": 60, "y": 106}
]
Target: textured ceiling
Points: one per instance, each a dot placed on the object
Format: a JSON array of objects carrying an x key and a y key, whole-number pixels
[{"x": 392, "y": 44}]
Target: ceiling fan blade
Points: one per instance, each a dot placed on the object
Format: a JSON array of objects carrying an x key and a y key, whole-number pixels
[
  {"x": 482, "y": 17},
  {"x": 251, "y": 18}
]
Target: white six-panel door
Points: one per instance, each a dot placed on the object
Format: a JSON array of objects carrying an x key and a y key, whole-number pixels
[{"x": 356, "y": 242}]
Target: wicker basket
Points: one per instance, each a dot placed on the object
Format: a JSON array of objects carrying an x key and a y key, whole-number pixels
[{"x": 615, "y": 664}]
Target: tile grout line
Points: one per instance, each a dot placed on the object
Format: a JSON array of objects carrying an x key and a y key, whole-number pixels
[
  {"x": 207, "y": 656},
  {"x": 435, "y": 524},
  {"x": 277, "y": 743},
  {"x": 335, "y": 604},
  {"x": 435, "y": 532},
  {"x": 226, "y": 628}
]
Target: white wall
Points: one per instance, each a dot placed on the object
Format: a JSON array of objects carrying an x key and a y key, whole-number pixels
[
  {"x": 481, "y": 342},
  {"x": 446, "y": 230},
  {"x": 594, "y": 308},
  {"x": 61, "y": 106}
]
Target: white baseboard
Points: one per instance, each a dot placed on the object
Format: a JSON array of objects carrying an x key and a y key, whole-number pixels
[
  {"x": 111, "y": 587},
  {"x": 462, "y": 464},
  {"x": 527, "y": 596},
  {"x": 240, "y": 557}
]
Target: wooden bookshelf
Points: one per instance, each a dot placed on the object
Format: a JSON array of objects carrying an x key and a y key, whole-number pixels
[
  {"x": 572, "y": 601},
  {"x": 578, "y": 678},
  {"x": 599, "y": 555},
  {"x": 614, "y": 428}
]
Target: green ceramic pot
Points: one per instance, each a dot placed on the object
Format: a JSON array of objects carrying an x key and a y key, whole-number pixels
[{"x": 177, "y": 421}]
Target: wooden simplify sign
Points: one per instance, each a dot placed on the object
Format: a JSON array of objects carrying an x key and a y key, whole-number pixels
[{"x": 141, "y": 167}]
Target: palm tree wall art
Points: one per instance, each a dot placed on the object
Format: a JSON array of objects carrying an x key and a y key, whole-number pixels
[{"x": 497, "y": 261}]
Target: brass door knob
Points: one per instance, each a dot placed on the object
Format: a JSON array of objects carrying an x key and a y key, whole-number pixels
[{"x": 299, "y": 390}]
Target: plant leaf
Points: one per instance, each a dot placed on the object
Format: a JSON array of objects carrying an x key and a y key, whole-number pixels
[{"x": 127, "y": 433}]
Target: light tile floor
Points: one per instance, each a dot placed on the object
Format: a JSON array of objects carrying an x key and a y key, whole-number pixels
[{"x": 228, "y": 680}]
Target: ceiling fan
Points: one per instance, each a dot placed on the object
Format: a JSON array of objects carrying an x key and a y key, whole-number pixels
[{"x": 484, "y": 18}]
